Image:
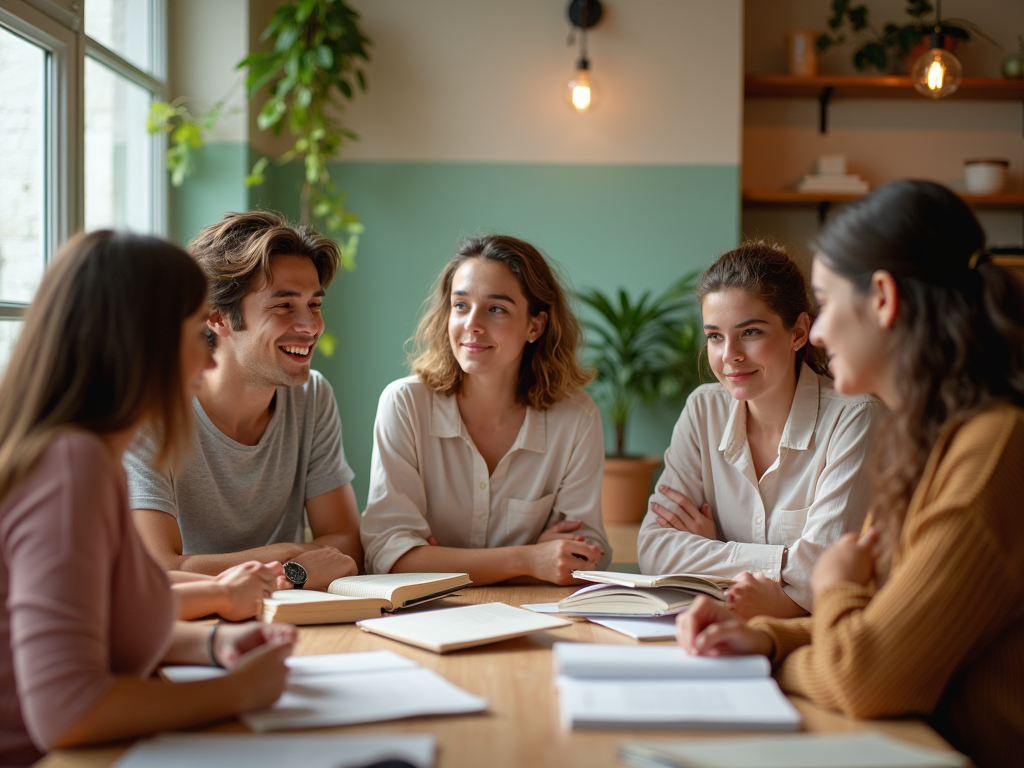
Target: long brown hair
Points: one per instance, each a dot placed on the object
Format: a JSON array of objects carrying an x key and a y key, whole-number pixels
[
  {"x": 550, "y": 370},
  {"x": 100, "y": 349},
  {"x": 959, "y": 329},
  {"x": 765, "y": 271}
]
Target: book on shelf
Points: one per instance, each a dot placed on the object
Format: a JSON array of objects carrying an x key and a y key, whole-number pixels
[
  {"x": 628, "y": 686},
  {"x": 712, "y": 586},
  {"x": 847, "y": 183},
  {"x": 836, "y": 750},
  {"x": 354, "y": 598},
  {"x": 452, "y": 629}
]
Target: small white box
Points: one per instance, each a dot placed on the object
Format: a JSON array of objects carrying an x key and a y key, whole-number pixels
[{"x": 832, "y": 165}]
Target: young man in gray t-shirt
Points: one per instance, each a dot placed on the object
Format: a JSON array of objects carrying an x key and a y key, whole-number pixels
[{"x": 266, "y": 443}]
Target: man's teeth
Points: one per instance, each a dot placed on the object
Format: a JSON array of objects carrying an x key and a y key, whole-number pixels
[{"x": 296, "y": 350}]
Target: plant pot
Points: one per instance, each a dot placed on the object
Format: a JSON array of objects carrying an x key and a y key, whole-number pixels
[
  {"x": 626, "y": 488},
  {"x": 919, "y": 50}
]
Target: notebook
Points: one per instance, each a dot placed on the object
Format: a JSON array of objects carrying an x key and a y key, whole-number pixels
[
  {"x": 349, "y": 688},
  {"x": 352, "y": 598},
  {"x": 174, "y": 750},
  {"x": 608, "y": 686},
  {"x": 452, "y": 629},
  {"x": 846, "y": 750}
]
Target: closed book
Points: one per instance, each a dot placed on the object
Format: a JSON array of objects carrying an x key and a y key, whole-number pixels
[
  {"x": 353, "y": 598},
  {"x": 452, "y": 629}
]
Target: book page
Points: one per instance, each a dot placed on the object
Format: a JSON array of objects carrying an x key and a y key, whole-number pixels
[
  {"x": 385, "y": 585},
  {"x": 624, "y": 662},
  {"x": 452, "y": 628}
]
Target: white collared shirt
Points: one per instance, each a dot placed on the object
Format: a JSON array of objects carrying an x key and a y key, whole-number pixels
[
  {"x": 814, "y": 492},
  {"x": 427, "y": 478}
]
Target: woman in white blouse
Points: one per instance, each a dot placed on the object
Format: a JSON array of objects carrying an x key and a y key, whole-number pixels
[
  {"x": 763, "y": 472},
  {"x": 488, "y": 460}
]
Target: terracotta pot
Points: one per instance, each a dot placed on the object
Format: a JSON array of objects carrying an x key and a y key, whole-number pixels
[
  {"x": 948, "y": 43},
  {"x": 626, "y": 488}
]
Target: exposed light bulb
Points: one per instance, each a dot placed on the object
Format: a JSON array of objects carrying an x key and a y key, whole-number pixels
[
  {"x": 938, "y": 72},
  {"x": 579, "y": 91}
]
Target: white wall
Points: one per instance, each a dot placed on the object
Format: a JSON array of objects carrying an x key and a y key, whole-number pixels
[{"x": 473, "y": 80}]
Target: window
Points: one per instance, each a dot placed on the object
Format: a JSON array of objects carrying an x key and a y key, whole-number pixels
[{"x": 63, "y": 91}]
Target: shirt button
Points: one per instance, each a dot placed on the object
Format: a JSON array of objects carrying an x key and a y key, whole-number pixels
[
  {"x": 760, "y": 519},
  {"x": 483, "y": 486}
]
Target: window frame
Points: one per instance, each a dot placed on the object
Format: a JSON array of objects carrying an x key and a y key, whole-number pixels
[{"x": 60, "y": 32}]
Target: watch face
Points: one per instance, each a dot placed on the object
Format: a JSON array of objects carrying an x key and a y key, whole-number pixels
[{"x": 296, "y": 573}]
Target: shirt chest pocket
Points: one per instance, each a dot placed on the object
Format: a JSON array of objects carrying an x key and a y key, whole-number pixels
[
  {"x": 525, "y": 520},
  {"x": 793, "y": 521}
]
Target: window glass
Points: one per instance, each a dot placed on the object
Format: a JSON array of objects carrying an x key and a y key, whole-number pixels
[
  {"x": 123, "y": 26},
  {"x": 22, "y": 166},
  {"x": 118, "y": 152},
  {"x": 9, "y": 330}
]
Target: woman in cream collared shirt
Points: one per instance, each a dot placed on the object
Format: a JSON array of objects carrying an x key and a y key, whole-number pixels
[
  {"x": 764, "y": 469},
  {"x": 489, "y": 459}
]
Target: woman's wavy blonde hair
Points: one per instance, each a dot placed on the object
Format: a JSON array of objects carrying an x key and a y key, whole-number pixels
[
  {"x": 100, "y": 349},
  {"x": 549, "y": 370}
]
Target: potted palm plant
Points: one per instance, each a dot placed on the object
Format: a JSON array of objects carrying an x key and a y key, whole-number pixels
[{"x": 641, "y": 350}]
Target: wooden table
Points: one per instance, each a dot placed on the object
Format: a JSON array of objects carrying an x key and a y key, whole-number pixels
[{"x": 521, "y": 727}]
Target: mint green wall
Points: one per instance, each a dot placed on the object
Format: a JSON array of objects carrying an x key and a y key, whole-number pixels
[
  {"x": 607, "y": 226},
  {"x": 217, "y": 186}
]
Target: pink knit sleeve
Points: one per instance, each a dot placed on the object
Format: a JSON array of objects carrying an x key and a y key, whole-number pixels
[{"x": 61, "y": 544}]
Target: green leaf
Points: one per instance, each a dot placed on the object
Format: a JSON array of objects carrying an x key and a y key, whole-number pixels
[
  {"x": 325, "y": 57},
  {"x": 327, "y": 344}
]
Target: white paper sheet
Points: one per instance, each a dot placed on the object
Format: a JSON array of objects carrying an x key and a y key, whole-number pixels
[
  {"x": 631, "y": 662},
  {"x": 756, "y": 704},
  {"x": 174, "y": 750},
  {"x": 847, "y": 750},
  {"x": 350, "y": 688},
  {"x": 656, "y": 628}
]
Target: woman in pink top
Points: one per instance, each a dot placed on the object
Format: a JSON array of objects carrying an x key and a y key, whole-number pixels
[{"x": 114, "y": 339}]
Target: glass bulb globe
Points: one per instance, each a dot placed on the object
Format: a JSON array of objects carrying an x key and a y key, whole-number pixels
[
  {"x": 937, "y": 73},
  {"x": 580, "y": 92}
]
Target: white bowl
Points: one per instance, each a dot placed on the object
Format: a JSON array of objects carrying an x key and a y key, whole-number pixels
[{"x": 985, "y": 176}]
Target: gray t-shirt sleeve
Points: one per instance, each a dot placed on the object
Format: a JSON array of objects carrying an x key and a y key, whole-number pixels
[
  {"x": 327, "y": 468},
  {"x": 147, "y": 488}
]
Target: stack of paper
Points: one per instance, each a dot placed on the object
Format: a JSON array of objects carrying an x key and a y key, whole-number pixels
[
  {"x": 174, "y": 750},
  {"x": 849, "y": 183},
  {"x": 604, "y": 686},
  {"x": 348, "y": 688},
  {"x": 846, "y": 750}
]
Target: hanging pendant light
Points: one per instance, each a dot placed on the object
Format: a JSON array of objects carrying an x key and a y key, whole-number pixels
[
  {"x": 583, "y": 14},
  {"x": 938, "y": 72}
]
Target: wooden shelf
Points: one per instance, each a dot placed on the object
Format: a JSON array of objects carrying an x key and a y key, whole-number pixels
[
  {"x": 790, "y": 197},
  {"x": 760, "y": 86}
]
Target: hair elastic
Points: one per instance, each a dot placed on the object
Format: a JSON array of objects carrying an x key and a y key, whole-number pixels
[{"x": 976, "y": 258}]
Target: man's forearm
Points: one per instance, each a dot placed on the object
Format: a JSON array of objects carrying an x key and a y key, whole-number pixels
[
  {"x": 214, "y": 564},
  {"x": 346, "y": 543}
]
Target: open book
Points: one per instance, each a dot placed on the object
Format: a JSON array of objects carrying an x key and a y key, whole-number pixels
[
  {"x": 608, "y": 686},
  {"x": 712, "y": 586},
  {"x": 610, "y": 600},
  {"x": 353, "y": 598}
]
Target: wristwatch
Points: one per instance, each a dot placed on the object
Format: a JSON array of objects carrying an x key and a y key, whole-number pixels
[{"x": 296, "y": 574}]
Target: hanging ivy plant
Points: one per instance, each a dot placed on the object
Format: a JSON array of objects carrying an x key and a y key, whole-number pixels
[{"x": 312, "y": 69}]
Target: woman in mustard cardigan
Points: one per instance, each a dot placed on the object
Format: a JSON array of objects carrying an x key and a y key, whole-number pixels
[{"x": 923, "y": 613}]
